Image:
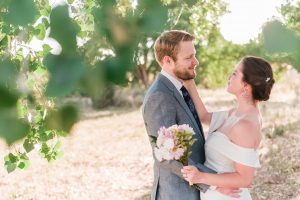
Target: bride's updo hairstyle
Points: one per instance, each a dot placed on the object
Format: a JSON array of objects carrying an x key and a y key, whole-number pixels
[{"x": 258, "y": 73}]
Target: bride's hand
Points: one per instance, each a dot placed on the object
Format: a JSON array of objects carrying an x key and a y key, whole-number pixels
[
  {"x": 189, "y": 84},
  {"x": 191, "y": 174}
]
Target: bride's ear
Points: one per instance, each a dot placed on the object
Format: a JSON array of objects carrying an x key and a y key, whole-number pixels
[{"x": 247, "y": 88}]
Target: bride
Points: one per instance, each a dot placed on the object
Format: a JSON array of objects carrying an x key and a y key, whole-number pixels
[{"x": 234, "y": 135}]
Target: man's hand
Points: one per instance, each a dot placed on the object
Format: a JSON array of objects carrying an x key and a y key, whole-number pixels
[{"x": 232, "y": 192}]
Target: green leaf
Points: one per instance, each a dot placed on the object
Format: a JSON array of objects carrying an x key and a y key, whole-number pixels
[
  {"x": 8, "y": 72},
  {"x": 154, "y": 16},
  {"x": 46, "y": 49},
  {"x": 12, "y": 157},
  {"x": 47, "y": 135},
  {"x": 28, "y": 145},
  {"x": 33, "y": 66},
  {"x": 66, "y": 71},
  {"x": 63, "y": 119},
  {"x": 13, "y": 129},
  {"x": 41, "y": 31},
  {"x": 20, "y": 12},
  {"x": 63, "y": 29},
  {"x": 45, "y": 150},
  {"x": 7, "y": 98},
  {"x": 10, "y": 166},
  {"x": 23, "y": 165},
  {"x": 70, "y": 1},
  {"x": 4, "y": 42},
  {"x": 82, "y": 34},
  {"x": 38, "y": 117},
  {"x": 45, "y": 22}
]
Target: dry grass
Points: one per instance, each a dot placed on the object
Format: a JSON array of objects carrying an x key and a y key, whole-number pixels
[{"x": 108, "y": 155}]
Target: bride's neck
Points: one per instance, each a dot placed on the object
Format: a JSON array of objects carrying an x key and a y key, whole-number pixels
[{"x": 246, "y": 105}]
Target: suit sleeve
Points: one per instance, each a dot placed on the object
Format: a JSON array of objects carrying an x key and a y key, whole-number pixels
[{"x": 159, "y": 110}]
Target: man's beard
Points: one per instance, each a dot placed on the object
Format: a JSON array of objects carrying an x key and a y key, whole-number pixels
[{"x": 184, "y": 75}]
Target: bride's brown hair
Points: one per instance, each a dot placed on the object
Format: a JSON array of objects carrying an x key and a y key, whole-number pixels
[{"x": 258, "y": 73}]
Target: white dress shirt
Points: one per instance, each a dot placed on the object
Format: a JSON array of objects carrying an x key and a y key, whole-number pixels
[{"x": 175, "y": 81}]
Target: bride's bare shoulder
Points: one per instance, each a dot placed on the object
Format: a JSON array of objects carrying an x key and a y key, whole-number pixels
[{"x": 246, "y": 133}]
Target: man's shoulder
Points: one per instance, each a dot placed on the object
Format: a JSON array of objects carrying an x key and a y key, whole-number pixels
[
  {"x": 158, "y": 88},
  {"x": 158, "y": 94}
]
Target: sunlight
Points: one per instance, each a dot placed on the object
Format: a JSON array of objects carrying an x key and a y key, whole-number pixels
[{"x": 246, "y": 18}]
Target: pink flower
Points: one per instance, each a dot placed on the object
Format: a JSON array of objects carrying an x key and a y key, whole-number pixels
[
  {"x": 168, "y": 146},
  {"x": 178, "y": 152}
]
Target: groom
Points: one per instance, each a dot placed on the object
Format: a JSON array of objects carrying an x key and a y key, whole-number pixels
[{"x": 167, "y": 103}]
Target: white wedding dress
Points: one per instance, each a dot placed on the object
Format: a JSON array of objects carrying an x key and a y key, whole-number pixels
[{"x": 221, "y": 153}]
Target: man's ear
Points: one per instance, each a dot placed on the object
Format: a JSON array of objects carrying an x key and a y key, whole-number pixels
[{"x": 167, "y": 60}]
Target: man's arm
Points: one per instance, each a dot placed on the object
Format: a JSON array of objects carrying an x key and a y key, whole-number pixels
[{"x": 158, "y": 111}]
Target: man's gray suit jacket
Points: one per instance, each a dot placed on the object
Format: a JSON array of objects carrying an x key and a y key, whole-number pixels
[{"x": 164, "y": 106}]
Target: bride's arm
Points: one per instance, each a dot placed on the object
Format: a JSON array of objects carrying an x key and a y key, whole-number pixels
[
  {"x": 204, "y": 115},
  {"x": 242, "y": 178},
  {"x": 245, "y": 135}
]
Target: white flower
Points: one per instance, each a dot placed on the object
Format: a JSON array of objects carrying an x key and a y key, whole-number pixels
[
  {"x": 158, "y": 154},
  {"x": 166, "y": 154},
  {"x": 168, "y": 143},
  {"x": 186, "y": 128},
  {"x": 160, "y": 140}
]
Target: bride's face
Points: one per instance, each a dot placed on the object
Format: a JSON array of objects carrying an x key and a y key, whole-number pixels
[{"x": 235, "y": 81}]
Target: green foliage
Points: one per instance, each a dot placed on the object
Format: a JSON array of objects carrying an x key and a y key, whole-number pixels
[
  {"x": 63, "y": 29},
  {"x": 24, "y": 107},
  {"x": 20, "y": 160},
  {"x": 217, "y": 60},
  {"x": 59, "y": 65},
  {"x": 282, "y": 39},
  {"x": 62, "y": 119},
  {"x": 278, "y": 39},
  {"x": 186, "y": 140},
  {"x": 103, "y": 43},
  {"x": 291, "y": 14},
  {"x": 20, "y": 12}
]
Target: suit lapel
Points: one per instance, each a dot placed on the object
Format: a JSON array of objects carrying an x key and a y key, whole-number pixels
[{"x": 180, "y": 100}]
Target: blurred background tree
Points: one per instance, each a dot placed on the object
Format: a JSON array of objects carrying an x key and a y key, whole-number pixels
[{"x": 98, "y": 45}]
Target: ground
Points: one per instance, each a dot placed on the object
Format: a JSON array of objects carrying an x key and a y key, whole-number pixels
[{"x": 108, "y": 155}]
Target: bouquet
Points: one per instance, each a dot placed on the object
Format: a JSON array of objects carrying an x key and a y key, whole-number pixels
[{"x": 173, "y": 143}]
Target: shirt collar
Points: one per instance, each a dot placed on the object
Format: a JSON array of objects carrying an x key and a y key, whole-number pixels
[{"x": 175, "y": 81}]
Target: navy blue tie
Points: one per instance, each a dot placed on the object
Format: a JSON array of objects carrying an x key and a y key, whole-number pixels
[{"x": 188, "y": 100}]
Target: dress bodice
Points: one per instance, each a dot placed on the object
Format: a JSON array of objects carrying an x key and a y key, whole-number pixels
[{"x": 222, "y": 153}]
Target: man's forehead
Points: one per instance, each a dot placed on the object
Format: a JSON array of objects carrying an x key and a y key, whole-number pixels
[{"x": 187, "y": 47}]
